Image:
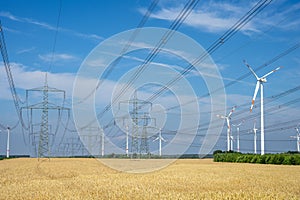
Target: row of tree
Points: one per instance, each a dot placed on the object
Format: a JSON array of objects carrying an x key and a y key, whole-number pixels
[{"x": 289, "y": 158}]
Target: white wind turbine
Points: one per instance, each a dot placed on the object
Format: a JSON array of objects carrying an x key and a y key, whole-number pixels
[
  {"x": 227, "y": 118},
  {"x": 255, "y": 137},
  {"x": 297, "y": 137},
  {"x": 160, "y": 138},
  {"x": 238, "y": 134},
  {"x": 231, "y": 142},
  {"x": 7, "y": 144},
  {"x": 259, "y": 83}
]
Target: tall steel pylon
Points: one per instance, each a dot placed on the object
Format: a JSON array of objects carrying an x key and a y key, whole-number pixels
[
  {"x": 44, "y": 147},
  {"x": 94, "y": 140},
  {"x": 144, "y": 147},
  {"x": 136, "y": 116},
  {"x": 135, "y": 128}
]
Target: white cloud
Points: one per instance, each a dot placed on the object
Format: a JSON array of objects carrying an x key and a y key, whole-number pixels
[
  {"x": 47, "y": 26},
  {"x": 21, "y": 51},
  {"x": 57, "y": 57},
  {"x": 217, "y": 17},
  {"x": 283, "y": 17},
  {"x": 10, "y": 16},
  {"x": 32, "y": 79}
]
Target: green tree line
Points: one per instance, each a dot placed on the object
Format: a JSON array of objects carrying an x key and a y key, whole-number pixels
[{"x": 289, "y": 158}]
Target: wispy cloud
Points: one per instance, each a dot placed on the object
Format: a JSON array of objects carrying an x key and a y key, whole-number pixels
[
  {"x": 50, "y": 27},
  {"x": 11, "y": 30},
  {"x": 57, "y": 57},
  {"x": 283, "y": 17},
  {"x": 25, "y": 50},
  {"x": 216, "y": 17},
  {"x": 25, "y": 79}
]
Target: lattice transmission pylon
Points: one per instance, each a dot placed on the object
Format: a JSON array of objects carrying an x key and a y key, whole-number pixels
[{"x": 43, "y": 149}]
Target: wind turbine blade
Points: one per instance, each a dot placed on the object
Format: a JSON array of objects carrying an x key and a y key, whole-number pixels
[
  {"x": 251, "y": 70},
  {"x": 232, "y": 110},
  {"x": 241, "y": 123},
  {"x": 228, "y": 124},
  {"x": 155, "y": 139},
  {"x": 254, "y": 96},
  {"x": 163, "y": 139},
  {"x": 221, "y": 116},
  {"x": 271, "y": 72}
]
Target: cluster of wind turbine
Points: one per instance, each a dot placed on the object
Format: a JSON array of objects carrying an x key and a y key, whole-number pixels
[
  {"x": 259, "y": 85},
  {"x": 160, "y": 139},
  {"x": 297, "y": 137},
  {"x": 227, "y": 118}
]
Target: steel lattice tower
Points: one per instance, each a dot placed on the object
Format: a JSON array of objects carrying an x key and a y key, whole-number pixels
[
  {"x": 136, "y": 116},
  {"x": 135, "y": 128},
  {"x": 44, "y": 149},
  {"x": 144, "y": 147}
]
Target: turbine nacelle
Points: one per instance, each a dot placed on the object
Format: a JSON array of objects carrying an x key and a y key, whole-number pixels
[
  {"x": 263, "y": 80},
  {"x": 259, "y": 82}
]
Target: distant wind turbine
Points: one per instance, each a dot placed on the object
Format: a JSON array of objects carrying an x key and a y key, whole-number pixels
[
  {"x": 297, "y": 138},
  {"x": 255, "y": 137},
  {"x": 227, "y": 118},
  {"x": 238, "y": 134},
  {"x": 259, "y": 83},
  {"x": 160, "y": 138},
  {"x": 7, "y": 144},
  {"x": 231, "y": 142}
]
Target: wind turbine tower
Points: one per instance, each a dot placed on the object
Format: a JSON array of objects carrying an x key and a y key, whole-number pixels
[
  {"x": 7, "y": 144},
  {"x": 297, "y": 138},
  {"x": 238, "y": 134},
  {"x": 259, "y": 85},
  {"x": 231, "y": 142},
  {"x": 255, "y": 137},
  {"x": 160, "y": 139},
  {"x": 227, "y": 118}
]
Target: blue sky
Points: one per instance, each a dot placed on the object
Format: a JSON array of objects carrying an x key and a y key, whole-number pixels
[{"x": 30, "y": 28}]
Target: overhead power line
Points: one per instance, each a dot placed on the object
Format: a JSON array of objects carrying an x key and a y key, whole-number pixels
[
  {"x": 269, "y": 62},
  {"x": 219, "y": 42},
  {"x": 124, "y": 49},
  {"x": 173, "y": 27},
  {"x": 55, "y": 37}
]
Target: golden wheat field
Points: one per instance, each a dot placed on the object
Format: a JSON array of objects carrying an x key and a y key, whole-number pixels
[{"x": 87, "y": 178}]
